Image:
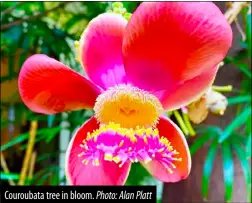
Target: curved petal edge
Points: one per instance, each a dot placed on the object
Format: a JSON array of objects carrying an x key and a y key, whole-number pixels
[
  {"x": 77, "y": 173},
  {"x": 48, "y": 86}
]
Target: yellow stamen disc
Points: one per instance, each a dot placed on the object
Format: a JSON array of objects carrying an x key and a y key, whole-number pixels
[{"x": 129, "y": 106}]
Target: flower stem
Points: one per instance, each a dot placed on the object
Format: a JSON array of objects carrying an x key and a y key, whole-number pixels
[
  {"x": 169, "y": 113},
  {"x": 234, "y": 10},
  {"x": 28, "y": 153},
  {"x": 5, "y": 168},
  {"x": 32, "y": 165},
  {"x": 181, "y": 122},
  {"x": 188, "y": 124},
  {"x": 227, "y": 88}
]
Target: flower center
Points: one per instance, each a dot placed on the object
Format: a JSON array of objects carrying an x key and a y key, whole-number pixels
[
  {"x": 129, "y": 106},
  {"x": 114, "y": 143}
]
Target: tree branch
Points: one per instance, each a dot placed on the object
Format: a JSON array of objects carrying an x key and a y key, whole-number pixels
[
  {"x": 28, "y": 153},
  {"x": 10, "y": 9},
  {"x": 30, "y": 18},
  {"x": 234, "y": 10}
]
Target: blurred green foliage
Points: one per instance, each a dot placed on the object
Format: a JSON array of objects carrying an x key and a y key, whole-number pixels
[{"x": 235, "y": 139}]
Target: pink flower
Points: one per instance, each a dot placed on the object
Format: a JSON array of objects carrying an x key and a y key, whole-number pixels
[{"x": 165, "y": 57}]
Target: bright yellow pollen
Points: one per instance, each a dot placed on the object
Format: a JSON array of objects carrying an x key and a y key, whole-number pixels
[
  {"x": 129, "y": 106},
  {"x": 85, "y": 162},
  {"x": 130, "y": 133},
  {"x": 121, "y": 143},
  {"x": 108, "y": 157},
  {"x": 138, "y": 144},
  {"x": 96, "y": 162},
  {"x": 116, "y": 159}
]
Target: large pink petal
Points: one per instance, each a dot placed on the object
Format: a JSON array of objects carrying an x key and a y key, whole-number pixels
[
  {"x": 187, "y": 92},
  {"x": 168, "y": 43},
  {"x": 169, "y": 130},
  {"x": 48, "y": 86},
  {"x": 77, "y": 173},
  {"x": 101, "y": 50}
]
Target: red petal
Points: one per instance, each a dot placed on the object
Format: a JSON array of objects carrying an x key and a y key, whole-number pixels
[
  {"x": 168, "y": 43},
  {"x": 169, "y": 130},
  {"x": 48, "y": 86},
  {"x": 101, "y": 50},
  {"x": 77, "y": 173},
  {"x": 187, "y": 92}
]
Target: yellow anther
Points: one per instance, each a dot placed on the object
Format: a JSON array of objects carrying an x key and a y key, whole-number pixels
[
  {"x": 148, "y": 131},
  {"x": 85, "y": 161},
  {"x": 116, "y": 159},
  {"x": 161, "y": 150},
  {"x": 155, "y": 132},
  {"x": 108, "y": 157},
  {"x": 80, "y": 154},
  {"x": 176, "y": 159},
  {"x": 170, "y": 171},
  {"x": 96, "y": 162},
  {"x": 145, "y": 140},
  {"x": 173, "y": 166},
  {"x": 121, "y": 143},
  {"x": 166, "y": 155}
]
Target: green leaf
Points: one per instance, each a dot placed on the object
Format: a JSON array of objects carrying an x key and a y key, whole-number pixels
[
  {"x": 248, "y": 126},
  {"x": 242, "y": 66},
  {"x": 52, "y": 134},
  {"x": 248, "y": 147},
  {"x": 137, "y": 174},
  {"x": 48, "y": 136},
  {"x": 208, "y": 166},
  {"x": 45, "y": 156},
  {"x": 228, "y": 170},
  {"x": 9, "y": 176},
  {"x": 245, "y": 168},
  {"x": 239, "y": 99},
  {"x": 41, "y": 134},
  {"x": 236, "y": 123},
  {"x": 74, "y": 20},
  {"x": 14, "y": 33},
  {"x": 39, "y": 174},
  {"x": 43, "y": 179},
  {"x": 15, "y": 141},
  {"x": 55, "y": 179},
  {"x": 238, "y": 138},
  {"x": 200, "y": 142},
  {"x": 208, "y": 129},
  {"x": 248, "y": 33},
  {"x": 38, "y": 139}
]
